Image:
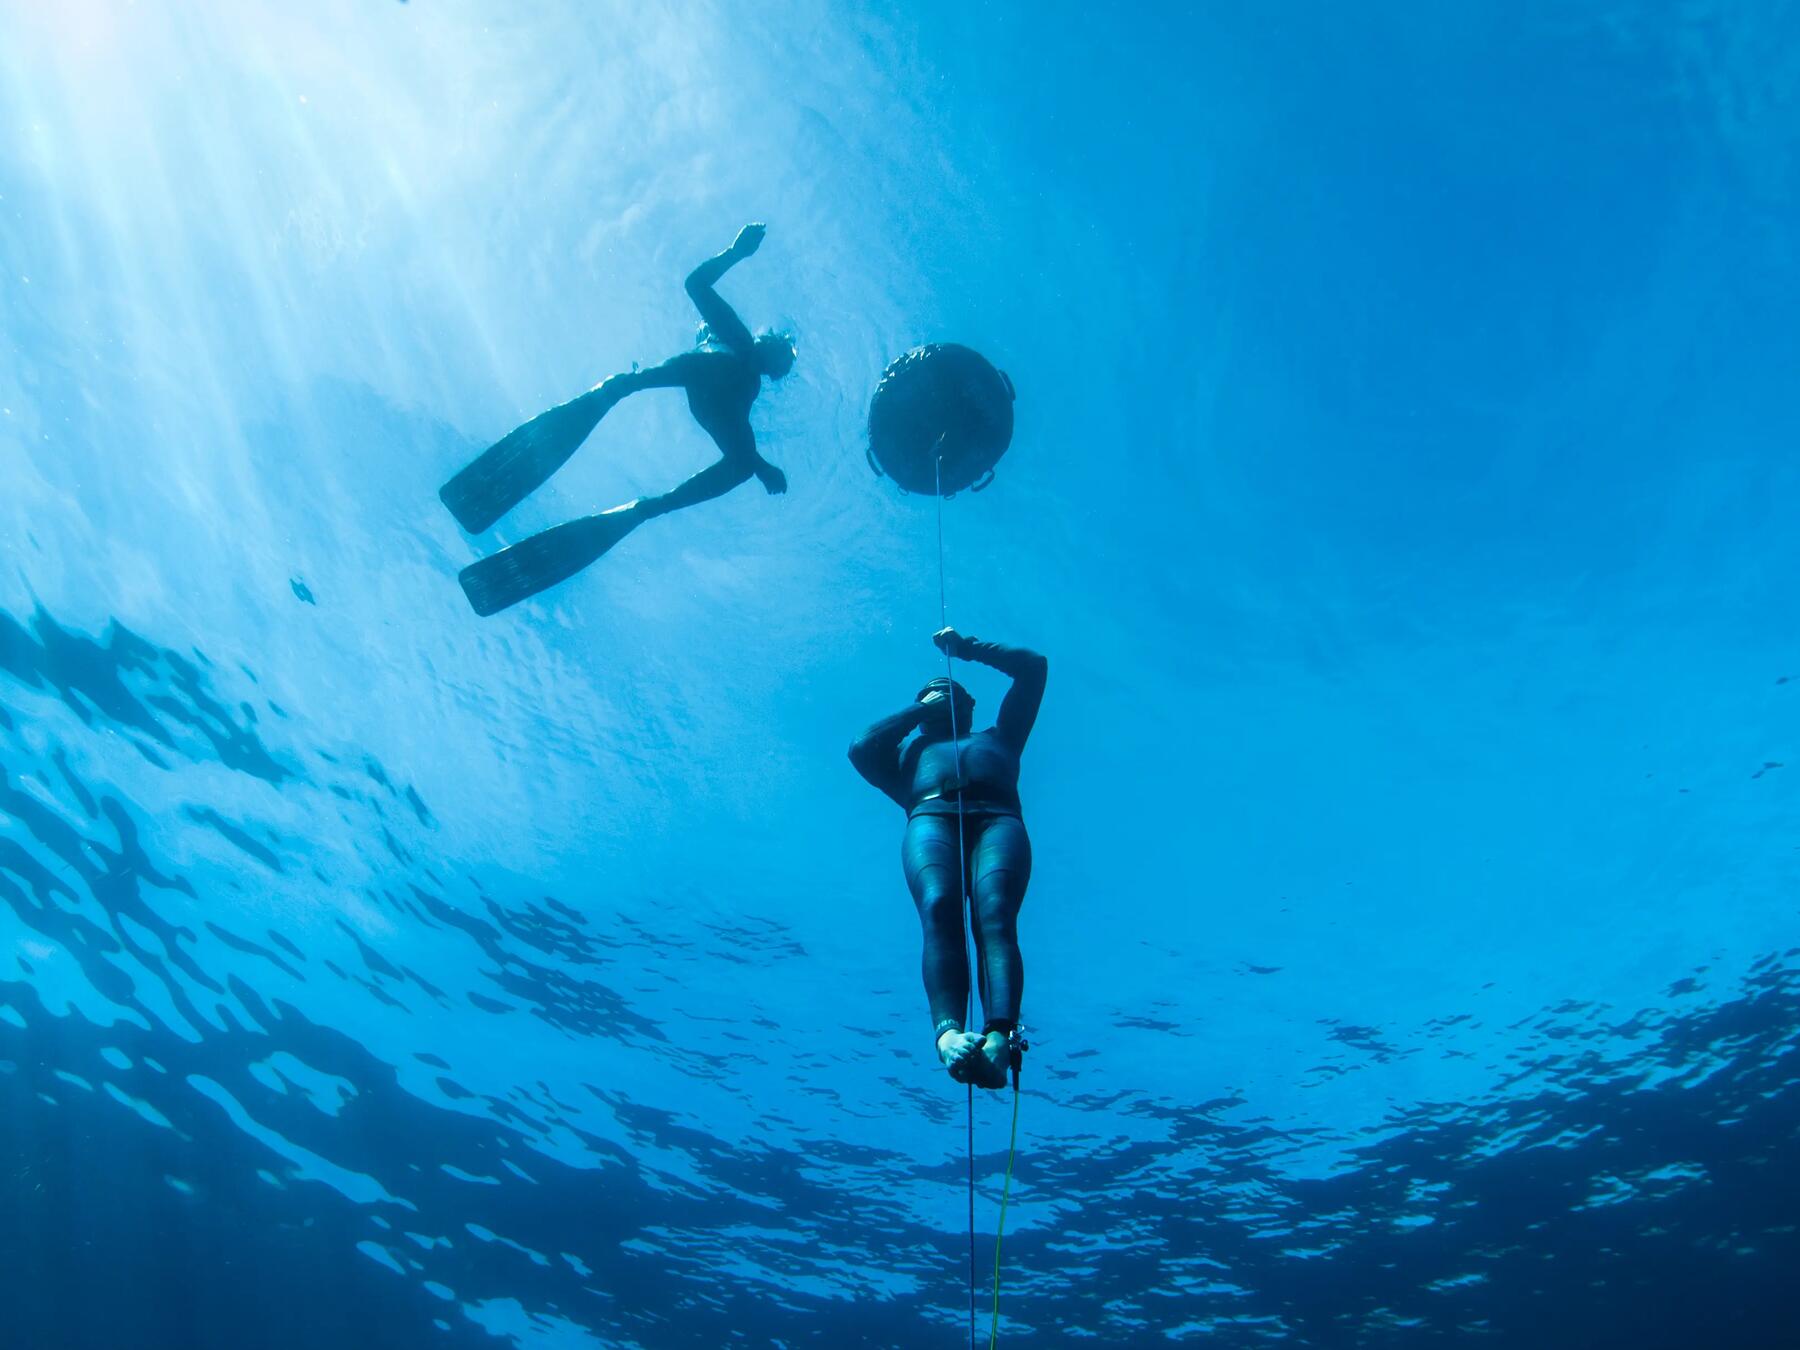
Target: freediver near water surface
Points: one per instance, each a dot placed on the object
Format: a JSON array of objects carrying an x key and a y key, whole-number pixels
[
  {"x": 722, "y": 379},
  {"x": 922, "y": 776}
]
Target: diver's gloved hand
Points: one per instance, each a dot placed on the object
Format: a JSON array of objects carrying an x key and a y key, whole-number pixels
[
  {"x": 748, "y": 240},
  {"x": 952, "y": 643}
]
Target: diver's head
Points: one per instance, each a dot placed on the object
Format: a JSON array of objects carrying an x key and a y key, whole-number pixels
[
  {"x": 942, "y": 697},
  {"x": 774, "y": 354}
]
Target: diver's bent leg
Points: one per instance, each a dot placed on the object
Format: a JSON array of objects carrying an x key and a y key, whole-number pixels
[
  {"x": 930, "y": 857},
  {"x": 711, "y": 482},
  {"x": 1000, "y": 865}
]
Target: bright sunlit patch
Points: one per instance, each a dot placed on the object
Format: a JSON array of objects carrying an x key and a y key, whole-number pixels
[
  {"x": 83, "y": 29},
  {"x": 380, "y": 1256},
  {"x": 138, "y": 1106}
]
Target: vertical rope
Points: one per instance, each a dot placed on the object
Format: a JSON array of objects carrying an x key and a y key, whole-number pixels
[
  {"x": 1012, "y": 1150},
  {"x": 962, "y": 875}
]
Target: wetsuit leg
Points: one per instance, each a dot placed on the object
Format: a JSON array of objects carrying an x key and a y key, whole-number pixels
[
  {"x": 711, "y": 482},
  {"x": 999, "y": 870},
  {"x": 930, "y": 855}
]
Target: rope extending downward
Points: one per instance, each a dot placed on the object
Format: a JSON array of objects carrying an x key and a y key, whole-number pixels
[
  {"x": 1012, "y": 1151},
  {"x": 962, "y": 872}
]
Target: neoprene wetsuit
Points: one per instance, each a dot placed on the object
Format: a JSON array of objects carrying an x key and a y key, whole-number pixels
[{"x": 921, "y": 777}]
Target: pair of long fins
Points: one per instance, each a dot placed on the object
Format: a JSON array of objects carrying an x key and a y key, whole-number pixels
[{"x": 504, "y": 475}]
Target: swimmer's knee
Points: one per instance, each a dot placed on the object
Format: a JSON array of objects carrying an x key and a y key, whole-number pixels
[
  {"x": 940, "y": 907},
  {"x": 997, "y": 907}
]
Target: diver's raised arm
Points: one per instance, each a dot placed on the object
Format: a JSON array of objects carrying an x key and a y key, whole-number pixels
[
  {"x": 719, "y": 316},
  {"x": 876, "y": 753},
  {"x": 1029, "y": 671}
]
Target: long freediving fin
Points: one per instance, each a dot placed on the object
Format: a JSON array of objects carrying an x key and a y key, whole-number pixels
[
  {"x": 513, "y": 574},
  {"x": 517, "y": 464}
]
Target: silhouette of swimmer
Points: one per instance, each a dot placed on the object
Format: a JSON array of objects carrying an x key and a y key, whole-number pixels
[
  {"x": 996, "y": 852},
  {"x": 722, "y": 379}
]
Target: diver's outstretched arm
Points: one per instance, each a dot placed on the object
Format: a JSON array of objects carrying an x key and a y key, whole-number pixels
[
  {"x": 876, "y": 753},
  {"x": 737, "y": 443},
  {"x": 1029, "y": 671},
  {"x": 719, "y": 316}
]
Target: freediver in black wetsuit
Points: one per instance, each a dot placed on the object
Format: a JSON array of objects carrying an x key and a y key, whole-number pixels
[
  {"x": 721, "y": 379},
  {"x": 922, "y": 778}
]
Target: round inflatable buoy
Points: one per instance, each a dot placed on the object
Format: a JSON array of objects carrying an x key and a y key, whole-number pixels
[{"x": 943, "y": 400}]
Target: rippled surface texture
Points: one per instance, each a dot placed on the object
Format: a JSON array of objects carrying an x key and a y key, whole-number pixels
[{"x": 1404, "y": 493}]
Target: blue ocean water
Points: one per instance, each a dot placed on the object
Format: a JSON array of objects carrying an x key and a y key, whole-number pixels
[{"x": 1403, "y": 493}]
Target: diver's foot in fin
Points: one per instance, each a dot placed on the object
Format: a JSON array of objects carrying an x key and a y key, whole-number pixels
[
  {"x": 991, "y": 1061},
  {"x": 517, "y": 464},
  {"x": 959, "y": 1050},
  {"x": 513, "y": 574}
]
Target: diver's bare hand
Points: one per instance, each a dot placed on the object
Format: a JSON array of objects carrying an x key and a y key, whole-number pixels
[
  {"x": 773, "y": 479},
  {"x": 933, "y": 707},
  {"x": 934, "y": 714},
  {"x": 748, "y": 240},
  {"x": 951, "y": 643}
]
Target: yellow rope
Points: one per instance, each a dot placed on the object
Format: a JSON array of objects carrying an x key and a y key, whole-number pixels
[{"x": 1012, "y": 1149}]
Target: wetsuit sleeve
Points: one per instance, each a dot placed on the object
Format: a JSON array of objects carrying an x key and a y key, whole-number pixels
[
  {"x": 876, "y": 753},
  {"x": 1029, "y": 670},
  {"x": 719, "y": 316}
]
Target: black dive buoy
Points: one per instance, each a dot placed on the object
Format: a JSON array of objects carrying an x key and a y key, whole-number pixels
[{"x": 940, "y": 400}]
